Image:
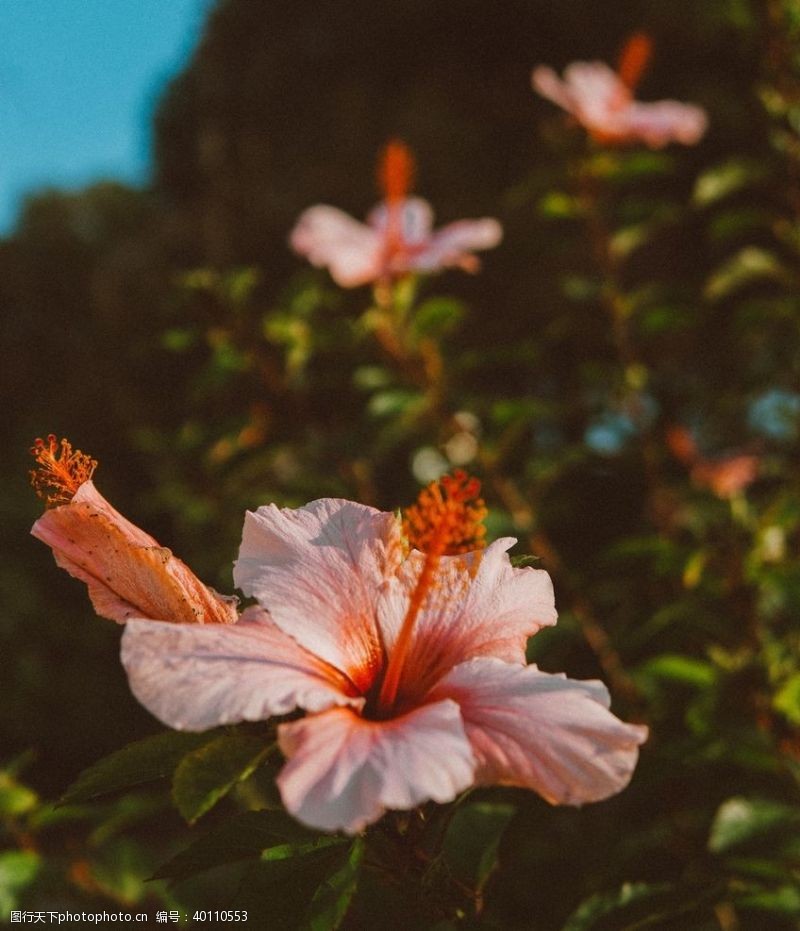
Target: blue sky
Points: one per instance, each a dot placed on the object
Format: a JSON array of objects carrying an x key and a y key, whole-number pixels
[{"x": 79, "y": 80}]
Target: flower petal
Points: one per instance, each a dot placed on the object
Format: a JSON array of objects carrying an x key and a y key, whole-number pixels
[
  {"x": 454, "y": 244},
  {"x": 194, "y": 678},
  {"x": 319, "y": 570},
  {"x": 329, "y": 238},
  {"x": 547, "y": 83},
  {"x": 543, "y": 732},
  {"x": 658, "y": 124},
  {"x": 127, "y": 573},
  {"x": 491, "y": 611},
  {"x": 344, "y": 771}
]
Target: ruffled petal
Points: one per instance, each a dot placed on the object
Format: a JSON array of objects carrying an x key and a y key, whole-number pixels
[
  {"x": 194, "y": 678},
  {"x": 490, "y": 610},
  {"x": 658, "y": 124},
  {"x": 329, "y": 238},
  {"x": 344, "y": 771},
  {"x": 453, "y": 245},
  {"x": 543, "y": 732},
  {"x": 127, "y": 573},
  {"x": 319, "y": 570}
]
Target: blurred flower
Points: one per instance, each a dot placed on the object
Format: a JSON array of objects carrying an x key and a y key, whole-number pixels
[
  {"x": 398, "y": 237},
  {"x": 602, "y": 101},
  {"x": 126, "y": 572},
  {"x": 725, "y": 476},
  {"x": 410, "y": 664}
]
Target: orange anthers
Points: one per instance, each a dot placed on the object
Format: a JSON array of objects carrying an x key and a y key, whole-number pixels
[
  {"x": 447, "y": 517},
  {"x": 633, "y": 59},
  {"x": 60, "y": 471},
  {"x": 396, "y": 171}
]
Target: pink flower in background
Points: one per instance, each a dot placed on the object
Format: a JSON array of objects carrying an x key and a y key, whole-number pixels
[
  {"x": 125, "y": 570},
  {"x": 410, "y": 665},
  {"x": 398, "y": 237},
  {"x": 724, "y": 476},
  {"x": 602, "y": 101}
]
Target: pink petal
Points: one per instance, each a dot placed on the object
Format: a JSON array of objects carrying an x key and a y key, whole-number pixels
[
  {"x": 453, "y": 244},
  {"x": 491, "y": 612},
  {"x": 543, "y": 732},
  {"x": 329, "y": 238},
  {"x": 413, "y": 218},
  {"x": 126, "y": 571},
  {"x": 319, "y": 570},
  {"x": 194, "y": 678},
  {"x": 596, "y": 91},
  {"x": 547, "y": 83},
  {"x": 344, "y": 772},
  {"x": 658, "y": 124}
]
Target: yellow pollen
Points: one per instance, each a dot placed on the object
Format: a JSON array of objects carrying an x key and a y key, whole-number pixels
[
  {"x": 633, "y": 59},
  {"x": 60, "y": 471},
  {"x": 446, "y": 519},
  {"x": 396, "y": 171}
]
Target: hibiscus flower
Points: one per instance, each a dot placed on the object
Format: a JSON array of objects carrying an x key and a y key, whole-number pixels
[
  {"x": 126, "y": 571},
  {"x": 405, "y": 645},
  {"x": 602, "y": 101},
  {"x": 398, "y": 237}
]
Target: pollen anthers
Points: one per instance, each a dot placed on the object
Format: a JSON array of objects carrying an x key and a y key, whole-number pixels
[
  {"x": 396, "y": 171},
  {"x": 446, "y": 520},
  {"x": 447, "y": 517},
  {"x": 60, "y": 470},
  {"x": 634, "y": 58}
]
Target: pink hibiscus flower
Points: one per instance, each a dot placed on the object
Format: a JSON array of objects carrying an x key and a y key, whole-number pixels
[
  {"x": 126, "y": 572},
  {"x": 410, "y": 665},
  {"x": 398, "y": 237},
  {"x": 725, "y": 476},
  {"x": 602, "y": 101}
]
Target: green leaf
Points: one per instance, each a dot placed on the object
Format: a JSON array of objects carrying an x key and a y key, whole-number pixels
[
  {"x": 784, "y": 900},
  {"x": 332, "y": 899},
  {"x": 472, "y": 841},
  {"x": 522, "y": 562},
  {"x": 280, "y": 892},
  {"x": 605, "y": 903},
  {"x": 742, "y": 820},
  {"x": 677, "y": 668},
  {"x": 242, "y": 837},
  {"x": 436, "y": 317},
  {"x": 558, "y": 205},
  {"x": 207, "y": 774},
  {"x": 787, "y": 699},
  {"x": 18, "y": 869},
  {"x": 747, "y": 266},
  {"x": 143, "y": 761},
  {"x": 15, "y": 798},
  {"x": 725, "y": 179}
]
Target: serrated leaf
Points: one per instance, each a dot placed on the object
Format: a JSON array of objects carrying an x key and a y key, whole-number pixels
[
  {"x": 143, "y": 761},
  {"x": 280, "y": 891},
  {"x": 598, "y": 906},
  {"x": 473, "y": 839},
  {"x": 242, "y": 837},
  {"x": 522, "y": 562},
  {"x": 207, "y": 774},
  {"x": 332, "y": 899},
  {"x": 742, "y": 820}
]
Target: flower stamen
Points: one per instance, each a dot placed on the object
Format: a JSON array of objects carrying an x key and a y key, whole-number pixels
[
  {"x": 60, "y": 471},
  {"x": 447, "y": 519},
  {"x": 396, "y": 171},
  {"x": 634, "y": 58}
]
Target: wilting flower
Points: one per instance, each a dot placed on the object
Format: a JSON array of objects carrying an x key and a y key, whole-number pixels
[
  {"x": 125, "y": 570},
  {"x": 410, "y": 664},
  {"x": 602, "y": 101},
  {"x": 724, "y": 476},
  {"x": 398, "y": 237}
]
